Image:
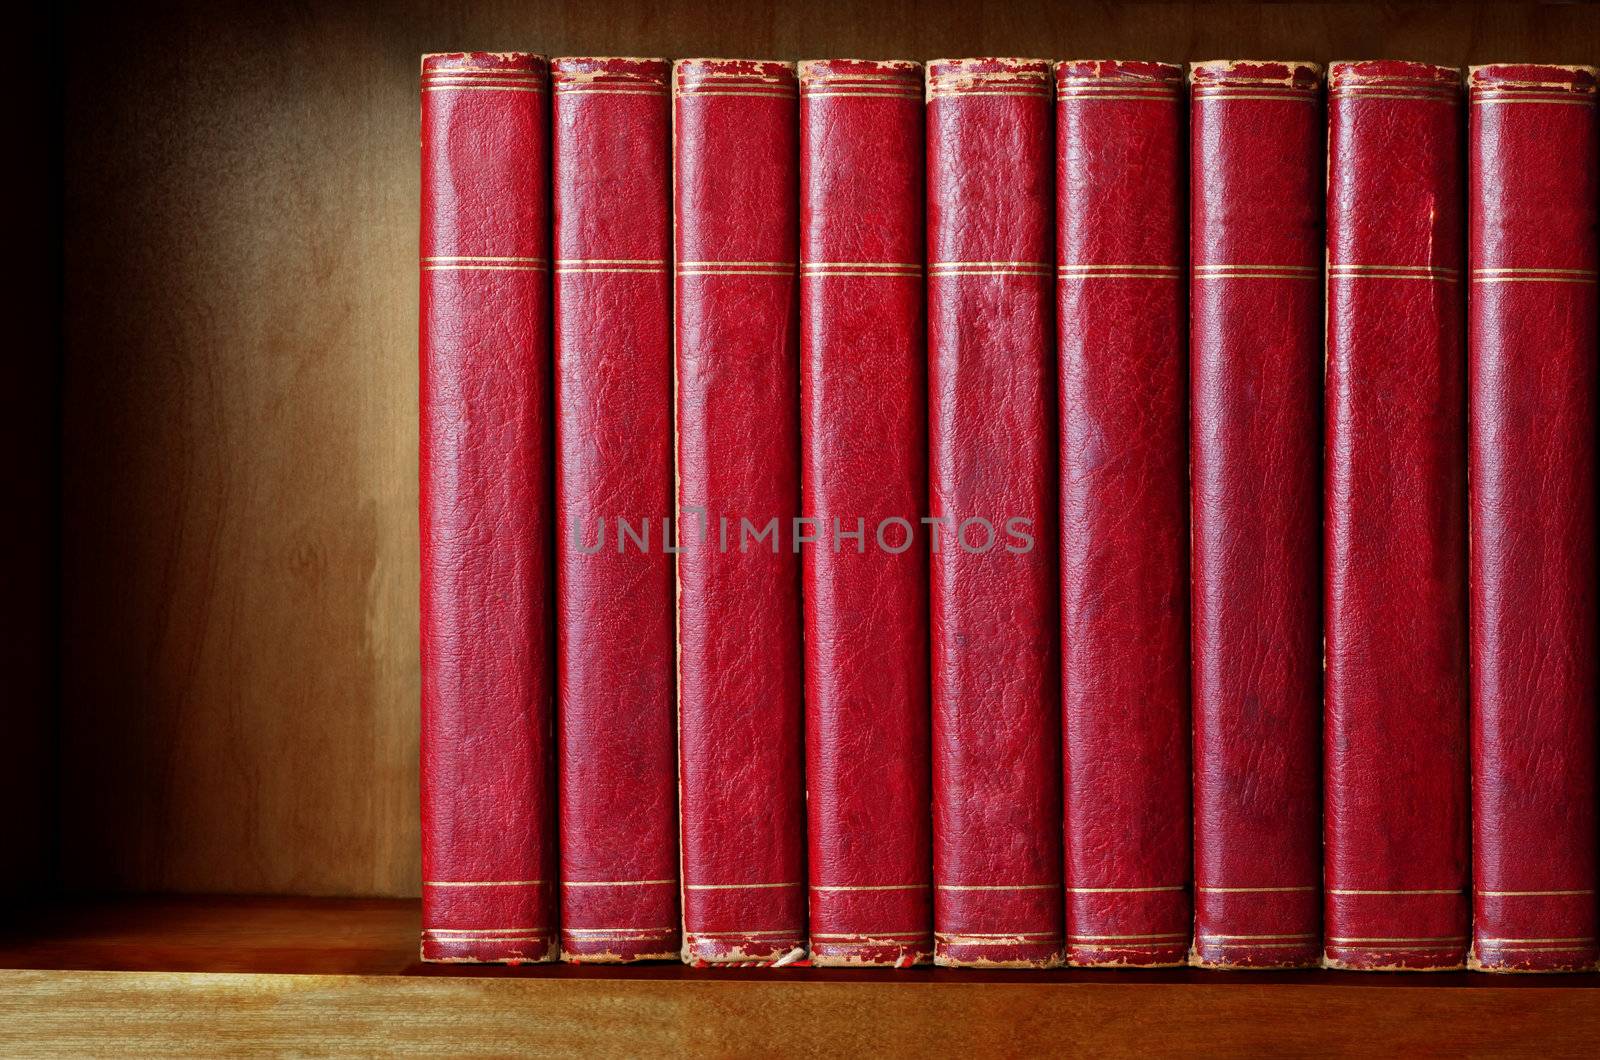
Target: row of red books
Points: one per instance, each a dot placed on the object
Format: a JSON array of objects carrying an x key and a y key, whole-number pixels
[{"x": 1005, "y": 513}]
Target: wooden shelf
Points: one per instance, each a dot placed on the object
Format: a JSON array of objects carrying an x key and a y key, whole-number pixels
[{"x": 167, "y": 975}]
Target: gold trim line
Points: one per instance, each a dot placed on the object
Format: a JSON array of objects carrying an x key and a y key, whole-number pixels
[{"x": 484, "y": 883}]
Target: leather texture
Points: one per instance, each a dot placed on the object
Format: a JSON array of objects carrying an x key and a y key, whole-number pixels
[
  {"x": 992, "y": 441},
  {"x": 488, "y": 826},
  {"x": 740, "y": 728},
  {"x": 1121, "y": 209},
  {"x": 1395, "y": 582},
  {"x": 611, "y": 145},
  {"x": 1531, "y": 383},
  {"x": 863, "y": 423},
  {"x": 1256, "y": 252}
]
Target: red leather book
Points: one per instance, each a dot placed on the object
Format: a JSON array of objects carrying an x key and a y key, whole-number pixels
[
  {"x": 488, "y": 830},
  {"x": 617, "y": 731},
  {"x": 1395, "y": 525},
  {"x": 739, "y": 709},
  {"x": 992, "y": 474},
  {"x": 1531, "y": 235},
  {"x": 1256, "y": 365},
  {"x": 1121, "y": 208},
  {"x": 863, "y": 415}
]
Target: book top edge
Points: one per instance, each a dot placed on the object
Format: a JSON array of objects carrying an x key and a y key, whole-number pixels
[
  {"x": 1119, "y": 71},
  {"x": 818, "y": 69},
  {"x": 488, "y": 62},
  {"x": 1533, "y": 77},
  {"x": 732, "y": 74},
  {"x": 576, "y": 71},
  {"x": 1395, "y": 72},
  {"x": 1257, "y": 73},
  {"x": 998, "y": 77}
]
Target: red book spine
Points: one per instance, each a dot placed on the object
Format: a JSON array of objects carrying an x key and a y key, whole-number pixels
[
  {"x": 1395, "y": 569},
  {"x": 488, "y": 830},
  {"x": 993, "y": 593},
  {"x": 1532, "y": 331},
  {"x": 611, "y": 172},
  {"x": 1256, "y": 362},
  {"x": 739, "y": 707},
  {"x": 863, "y": 412},
  {"x": 1121, "y": 208}
]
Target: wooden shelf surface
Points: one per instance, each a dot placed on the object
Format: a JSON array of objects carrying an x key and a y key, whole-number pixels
[{"x": 273, "y": 975}]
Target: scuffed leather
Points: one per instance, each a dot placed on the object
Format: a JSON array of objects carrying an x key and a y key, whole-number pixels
[
  {"x": 485, "y": 515},
  {"x": 1121, "y": 201},
  {"x": 1256, "y": 356},
  {"x": 991, "y": 429},
  {"x": 863, "y": 413},
  {"x": 1395, "y": 738},
  {"x": 1532, "y": 204},
  {"x": 611, "y": 173},
  {"x": 741, "y": 748}
]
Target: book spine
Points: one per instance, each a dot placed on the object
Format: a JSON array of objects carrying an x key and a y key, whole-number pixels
[
  {"x": 488, "y": 827},
  {"x": 1395, "y": 526},
  {"x": 993, "y": 592},
  {"x": 863, "y": 415},
  {"x": 1121, "y": 209},
  {"x": 741, "y": 748},
  {"x": 611, "y": 173},
  {"x": 1531, "y": 379},
  {"x": 1256, "y": 358}
]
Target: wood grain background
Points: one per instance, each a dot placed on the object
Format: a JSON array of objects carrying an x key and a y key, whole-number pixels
[{"x": 238, "y": 645}]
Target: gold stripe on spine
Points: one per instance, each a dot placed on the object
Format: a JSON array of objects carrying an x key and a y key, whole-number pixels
[
  {"x": 1254, "y": 890},
  {"x": 616, "y": 883},
  {"x": 1126, "y": 890},
  {"x": 1533, "y": 894},
  {"x": 1167, "y": 96},
  {"x": 873, "y": 887},
  {"x": 777, "y": 933},
  {"x": 1282, "y": 935},
  {"x": 1480, "y": 102},
  {"x": 1412, "y": 938},
  {"x": 997, "y": 886},
  {"x": 485, "y": 932},
  {"x": 480, "y": 88},
  {"x": 596, "y": 90},
  {"x": 861, "y": 268},
  {"x": 484, "y": 883},
  {"x": 736, "y": 887},
  {"x": 1128, "y": 938},
  {"x": 1393, "y": 95},
  {"x": 1581, "y": 276},
  {"x": 483, "y": 268},
  {"x": 1290, "y": 95},
  {"x": 1339, "y": 892},
  {"x": 1395, "y": 272},
  {"x": 1154, "y": 272},
  {"x": 1256, "y": 272},
  {"x": 617, "y": 930},
  {"x": 990, "y": 268},
  {"x": 872, "y": 934},
  {"x": 858, "y": 94},
  {"x": 1503, "y": 941}
]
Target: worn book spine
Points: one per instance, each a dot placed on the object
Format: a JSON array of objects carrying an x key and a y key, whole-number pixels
[
  {"x": 863, "y": 416},
  {"x": 1121, "y": 227},
  {"x": 992, "y": 522},
  {"x": 488, "y": 826},
  {"x": 1395, "y": 521},
  {"x": 1256, "y": 252},
  {"x": 741, "y": 748},
  {"x": 1531, "y": 235},
  {"x": 617, "y": 732}
]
